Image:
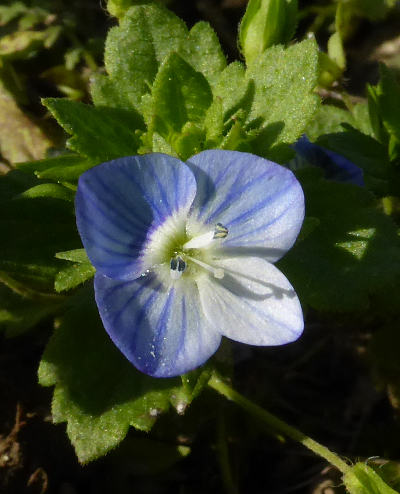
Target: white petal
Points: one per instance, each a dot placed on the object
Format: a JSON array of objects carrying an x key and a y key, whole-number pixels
[{"x": 254, "y": 303}]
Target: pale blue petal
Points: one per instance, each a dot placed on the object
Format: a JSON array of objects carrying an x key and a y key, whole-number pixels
[
  {"x": 253, "y": 303},
  {"x": 161, "y": 331},
  {"x": 121, "y": 202},
  {"x": 261, "y": 203}
]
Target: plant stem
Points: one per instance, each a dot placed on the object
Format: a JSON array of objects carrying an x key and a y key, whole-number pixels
[
  {"x": 279, "y": 425},
  {"x": 223, "y": 457}
]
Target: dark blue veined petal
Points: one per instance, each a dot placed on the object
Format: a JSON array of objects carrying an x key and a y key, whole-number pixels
[
  {"x": 119, "y": 203},
  {"x": 335, "y": 166},
  {"x": 253, "y": 303},
  {"x": 162, "y": 331},
  {"x": 261, "y": 203}
]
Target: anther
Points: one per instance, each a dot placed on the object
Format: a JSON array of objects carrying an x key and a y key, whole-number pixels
[
  {"x": 177, "y": 267},
  {"x": 220, "y": 231},
  {"x": 206, "y": 239}
]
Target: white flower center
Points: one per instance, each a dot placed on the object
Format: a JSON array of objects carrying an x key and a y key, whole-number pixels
[
  {"x": 169, "y": 249},
  {"x": 178, "y": 264}
]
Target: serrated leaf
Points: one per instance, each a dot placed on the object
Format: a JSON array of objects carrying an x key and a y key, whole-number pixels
[
  {"x": 99, "y": 133},
  {"x": 203, "y": 52},
  {"x": 76, "y": 255},
  {"x": 351, "y": 256},
  {"x": 234, "y": 91},
  {"x": 73, "y": 276},
  {"x": 65, "y": 168},
  {"x": 284, "y": 80},
  {"x": 98, "y": 392},
  {"x": 180, "y": 96},
  {"x": 133, "y": 53}
]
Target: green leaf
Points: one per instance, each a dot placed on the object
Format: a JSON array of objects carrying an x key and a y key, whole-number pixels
[
  {"x": 76, "y": 255},
  {"x": 328, "y": 120},
  {"x": 98, "y": 392},
  {"x": 133, "y": 53},
  {"x": 266, "y": 23},
  {"x": 99, "y": 133},
  {"x": 64, "y": 168},
  {"x": 73, "y": 276},
  {"x": 336, "y": 50},
  {"x": 34, "y": 229},
  {"x": 180, "y": 96},
  {"x": 362, "y": 479},
  {"x": 284, "y": 102},
  {"x": 53, "y": 191},
  {"x": 203, "y": 52},
  {"x": 10, "y": 12},
  {"x": 353, "y": 254},
  {"x": 233, "y": 92},
  {"x": 21, "y": 44},
  {"x": 388, "y": 92},
  {"x": 365, "y": 152}
]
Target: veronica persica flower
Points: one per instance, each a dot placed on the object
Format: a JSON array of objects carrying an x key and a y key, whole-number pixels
[
  {"x": 184, "y": 254},
  {"x": 335, "y": 166}
]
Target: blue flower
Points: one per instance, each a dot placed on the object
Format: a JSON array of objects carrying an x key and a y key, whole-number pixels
[
  {"x": 336, "y": 166},
  {"x": 184, "y": 253}
]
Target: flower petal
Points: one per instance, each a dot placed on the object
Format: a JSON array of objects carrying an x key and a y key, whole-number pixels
[
  {"x": 119, "y": 203},
  {"x": 162, "y": 331},
  {"x": 336, "y": 166},
  {"x": 261, "y": 203},
  {"x": 254, "y": 303}
]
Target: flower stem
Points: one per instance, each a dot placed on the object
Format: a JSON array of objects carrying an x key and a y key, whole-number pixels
[
  {"x": 223, "y": 457},
  {"x": 279, "y": 425}
]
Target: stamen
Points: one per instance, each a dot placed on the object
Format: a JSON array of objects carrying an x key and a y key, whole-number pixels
[
  {"x": 220, "y": 231},
  {"x": 217, "y": 272},
  {"x": 177, "y": 267}
]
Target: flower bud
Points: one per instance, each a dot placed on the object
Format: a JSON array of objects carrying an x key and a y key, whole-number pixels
[{"x": 266, "y": 23}]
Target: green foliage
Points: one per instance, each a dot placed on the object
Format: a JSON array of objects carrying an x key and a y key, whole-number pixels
[
  {"x": 266, "y": 23},
  {"x": 37, "y": 220},
  {"x": 72, "y": 276},
  {"x": 64, "y": 168},
  {"x": 188, "y": 98},
  {"x": 98, "y": 404},
  {"x": 169, "y": 89},
  {"x": 351, "y": 135},
  {"x": 362, "y": 479},
  {"x": 353, "y": 254},
  {"x": 100, "y": 134},
  {"x": 180, "y": 96},
  {"x": 133, "y": 53},
  {"x": 283, "y": 102}
]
